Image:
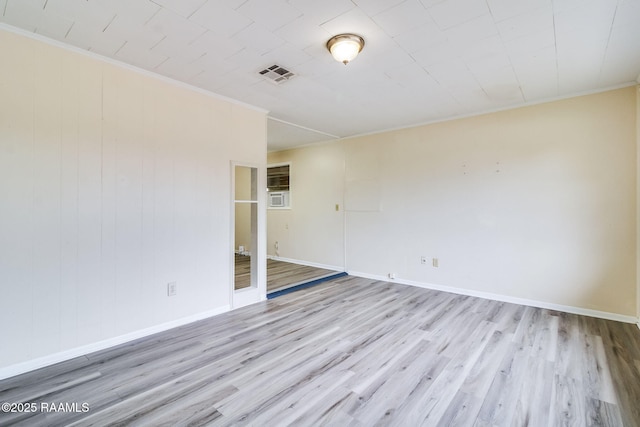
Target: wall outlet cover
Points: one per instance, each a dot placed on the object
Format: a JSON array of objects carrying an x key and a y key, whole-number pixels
[{"x": 172, "y": 289}]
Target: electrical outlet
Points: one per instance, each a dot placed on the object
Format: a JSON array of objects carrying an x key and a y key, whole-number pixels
[
  {"x": 423, "y": 260},
  {"x": 172, "y": 289},
  {"x": 434, "y": 262},
  {"x": 276, "y": 245},
  {"x": 392, "y": 275}
]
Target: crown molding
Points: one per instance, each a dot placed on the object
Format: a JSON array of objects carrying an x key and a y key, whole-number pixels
[{"x": 121, "y": 64}]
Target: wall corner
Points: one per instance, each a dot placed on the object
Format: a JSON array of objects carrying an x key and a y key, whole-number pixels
[{"x": 638, "y": 200}]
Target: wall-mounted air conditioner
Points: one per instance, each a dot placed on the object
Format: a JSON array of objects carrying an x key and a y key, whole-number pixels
[{"x": 279, "y": 199}]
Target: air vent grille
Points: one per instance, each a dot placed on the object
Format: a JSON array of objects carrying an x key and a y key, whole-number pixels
[{"x": 276, "y": 74}]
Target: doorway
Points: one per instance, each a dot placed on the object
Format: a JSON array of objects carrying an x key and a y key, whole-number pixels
[{"x": 288, "y": 216}]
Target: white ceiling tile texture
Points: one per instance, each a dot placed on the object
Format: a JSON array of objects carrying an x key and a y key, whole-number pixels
[
  {"x": 176, "y": 69},
  {"x": 257, "y": 38},
  {"x": 270, "y": 14},
  {"x": 505, "y": 9},
  {"x": 319, "y": 12},
  {"x": 302, "y": 33},
  {"x": 219, "y": 19},
  {"x": 28, "y": 14},
  {"x": 526, "y": 24},
  {"x": 90, "y": 12},
  {"x": 105, "y": 43},
  {"x": 174, "y": 26},
  {"x": 403, "y": 17},
  {"x": 286, "y": 56},
  {"x": 421, "y": 38},
  {"x": 123, "y": 28},
  {"x": 373, "y": 7},
  {"x": 354, "y": 21},
  {"x": 424, "y": 60},
  {"x": 140, "y": 57},
  {"x": 450, "y": 13},
  {"x": 184, "y": 8},
  {"x": 137, "y": 13},
  {"x": 213, "y": 45}
]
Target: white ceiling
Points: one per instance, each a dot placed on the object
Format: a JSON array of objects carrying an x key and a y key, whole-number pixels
[{"x": 424, "y": 60}]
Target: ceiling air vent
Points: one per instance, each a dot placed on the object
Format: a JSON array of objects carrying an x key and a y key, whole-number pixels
[{"x": 276, "y": 74}]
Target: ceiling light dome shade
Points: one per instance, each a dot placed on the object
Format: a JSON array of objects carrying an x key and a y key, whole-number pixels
[{"x": 345, "y": 47}]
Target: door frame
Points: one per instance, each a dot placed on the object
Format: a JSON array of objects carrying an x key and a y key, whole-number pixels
[{"x": 252, "y": 294}]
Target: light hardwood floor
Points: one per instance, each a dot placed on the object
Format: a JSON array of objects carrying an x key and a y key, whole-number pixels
[
  {"x": 354, "y": 352},
  {"x": 280, "y": 274},
  {"x": 283, "y": 275},
  {"x": 242, "y": 271}
]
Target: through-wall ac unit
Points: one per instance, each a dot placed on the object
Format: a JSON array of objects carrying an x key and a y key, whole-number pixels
[{"x": 279, "y": 199}]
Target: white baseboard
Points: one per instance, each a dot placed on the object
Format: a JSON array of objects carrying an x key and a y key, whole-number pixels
[
  {"x": 307, "y": 263},
  {"x": 41, "y": 362},
  {"x": 505, "y": 298}
]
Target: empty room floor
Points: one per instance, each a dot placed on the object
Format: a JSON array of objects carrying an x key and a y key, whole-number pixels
[
  {"x": 280, "y": 274},
  {"x": 355, "y": 352},
  {"x": 283, "y": 275}
]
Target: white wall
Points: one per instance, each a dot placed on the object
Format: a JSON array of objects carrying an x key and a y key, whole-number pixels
[
  {"x": 112, "y": 184},
  {"x": 535, "y": 204}
]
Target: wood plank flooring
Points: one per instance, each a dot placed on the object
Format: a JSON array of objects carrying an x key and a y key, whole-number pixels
[
  {"x": 283, "y": 275},
  {"x": 242, "y": 271},
  {"x": 280, "y": 274},
  {"x": 354, "y": 352}
]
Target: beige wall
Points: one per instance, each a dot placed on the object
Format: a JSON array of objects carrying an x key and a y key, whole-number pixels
[
  {"x": 535, "y": 203},
  {"x": 112, "y": 184},
  {"x": 312, "y": 230},
  {"x": 242, "y": 222}
]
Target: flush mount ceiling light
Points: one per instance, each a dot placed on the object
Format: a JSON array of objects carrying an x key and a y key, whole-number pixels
[{"x": 345, "y": 47}]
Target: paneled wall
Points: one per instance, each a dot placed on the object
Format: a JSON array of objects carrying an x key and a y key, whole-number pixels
[{"x": 112, "y": 184}]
